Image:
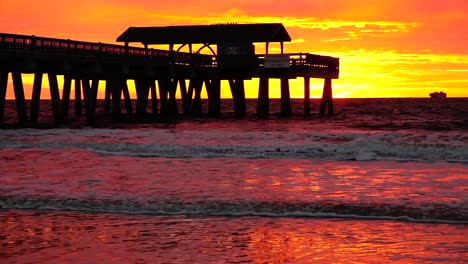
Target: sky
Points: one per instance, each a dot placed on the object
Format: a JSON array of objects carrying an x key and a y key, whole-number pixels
[{"x": 391, "y": 48}]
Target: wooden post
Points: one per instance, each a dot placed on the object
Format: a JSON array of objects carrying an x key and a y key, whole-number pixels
[
  {"x": 91, "y": 112},
  {"x": 19, "y": 95},
  {"x": 107, "y": 97},
  {"x": 85, "y": 86},
  {"x": 55, "y": 97},
  {"x": 163, "y": 96},
  {"x": 126, "y": 94},
  {"x": 172, "y": 103},
  {"x": 285, "y": 98},
  {"x": 213, "y": 88},
  {"x": 116, "y": 98},
  {"x": 36, "y": 97},
  {"x": 327, "y": 98},
  {"x": 331, "y": 108},
  {"x": 263, "y": 104},
  {"x": 184, "y": 95},
  {"x": 146, "y": 89},
  {"x": 66, "y": 95},
  {"x": 242, "y": 103},
  {"x": 189, "y": 97},
  {"x": 3, "y": 89},
  {"x": 197, "y": 103},
  {"x": 217, "y": 92},
  {"x": 139, "y": 104},
  {"x": 306, "y": 96},
  {"x": 238, "y": 95},
  {"x": 154, "y": 98},
  {"x": 78, "y": 107}
]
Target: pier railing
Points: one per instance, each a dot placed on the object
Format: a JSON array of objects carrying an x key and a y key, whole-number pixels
[
  {"x": 32, "y": 44},
  {"x": 314, "y": 61},
  {"x": 25, "y": 43}
]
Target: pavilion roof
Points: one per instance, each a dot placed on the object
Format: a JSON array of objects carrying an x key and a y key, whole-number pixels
[{"x": 202, "y": 34}]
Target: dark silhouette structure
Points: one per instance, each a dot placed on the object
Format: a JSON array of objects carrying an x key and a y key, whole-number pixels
[{"x": 231, "y": 56}]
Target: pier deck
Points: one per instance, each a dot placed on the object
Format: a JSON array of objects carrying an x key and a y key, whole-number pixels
[{"x": 86, "y": 63}]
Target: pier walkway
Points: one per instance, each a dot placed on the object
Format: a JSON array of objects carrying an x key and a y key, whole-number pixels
[{"x": 87, "y": 63}]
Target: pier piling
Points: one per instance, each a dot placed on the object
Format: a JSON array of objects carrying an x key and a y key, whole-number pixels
[
  {"x": 238, "y": 95},
  {"x": 306, "y": 96},
  {"x": 78, "y": 106},
  {"x": 154, "y": 98},
  {"x": 66, "y": 95},
  {"x": 285, "y": 98},
  {"x": 3, "y": 89},
  {"x": 36, "y": 97},
  {"x": 19, "y": 96},
  {"x": 263, "y": 104},
  {"x": 327, "y": 98}
]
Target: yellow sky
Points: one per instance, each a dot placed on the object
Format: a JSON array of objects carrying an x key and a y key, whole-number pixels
[{"x": 392, "y": 48}]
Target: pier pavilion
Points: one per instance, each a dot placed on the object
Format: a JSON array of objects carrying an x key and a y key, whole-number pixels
[{"x": 232, "y": 57}]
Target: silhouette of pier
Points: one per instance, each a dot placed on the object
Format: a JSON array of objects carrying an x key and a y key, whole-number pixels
[{"x": 87, "y": 63}]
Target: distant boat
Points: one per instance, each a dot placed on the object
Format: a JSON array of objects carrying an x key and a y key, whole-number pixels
[{"x": 438, "y": 95}]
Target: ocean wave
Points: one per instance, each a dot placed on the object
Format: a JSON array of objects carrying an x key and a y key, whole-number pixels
[
  {"x": 431, "y": 213},
  {"x": 362, "y": 149},
  {"x": 346, "y": 145}
]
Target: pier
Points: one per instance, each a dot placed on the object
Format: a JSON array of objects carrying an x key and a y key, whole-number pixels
[{"x": 231, "y": 56}]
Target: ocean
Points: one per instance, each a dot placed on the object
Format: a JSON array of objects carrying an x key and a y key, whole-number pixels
[{"x": 382, "y": 181}]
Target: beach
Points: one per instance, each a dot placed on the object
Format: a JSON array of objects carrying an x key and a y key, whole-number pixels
[{"x": 382, "y": 181}]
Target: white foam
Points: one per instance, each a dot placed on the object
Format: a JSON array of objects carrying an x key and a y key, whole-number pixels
[
  {"x": 346, "y": 145},
  {"x": 224, "y": 208}
]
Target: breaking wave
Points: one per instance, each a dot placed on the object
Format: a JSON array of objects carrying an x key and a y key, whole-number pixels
[
  {"x": 436, "y": 213},
  {"x": 399, "y": 146}
]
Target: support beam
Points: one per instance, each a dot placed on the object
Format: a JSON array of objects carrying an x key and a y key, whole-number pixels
[
  {"x": 127, "y": 99},
  {"x": 285, "y": 98},
  {"x": 138, "y": 88},
  {"x": 143, "y": 87},
  {"x": 213, "y": 88},
  {"x": 3, "y": 89},
  {"x": 78, "y": 107},
  {"x": 168, "y": 87},
  {"x": 19, "y": 95},
  {"x": 86, "y": 87},
  {"x": 190, "y": 91},
  {"x": 306, "y": 96},
  {"x": 263, "y": 103},
  {"x": 66, "y": 95},
  {"x": 91, "y": 107},
  {"x": 116, "y": 98},
  {"x": 107, "y": 97},
  {"x": 172, "y": 103},
  {"x": 197, "y": 103},
  {"x": 163, "y": 96},
  {"x": 184, "y": 95},
  {"x": 55, "y": 98},
  {"x": 238, "y": 95},
  {"x": 154, "y": 98},
  {"x": 36, "y": 97},
  {"x": 327, "y": 98}
]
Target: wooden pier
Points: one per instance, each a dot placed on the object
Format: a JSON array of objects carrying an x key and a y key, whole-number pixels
[{"x": 84, "y": 64}]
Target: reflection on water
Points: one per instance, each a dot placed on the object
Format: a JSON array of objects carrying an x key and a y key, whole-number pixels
[
  {"x": 77, "y": 173},
  {"x": 45, "y": 237},
  {"x": 80, "y": 180}
]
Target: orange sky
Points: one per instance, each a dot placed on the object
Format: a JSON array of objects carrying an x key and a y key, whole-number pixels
[{"x": 392, "y": 48}]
